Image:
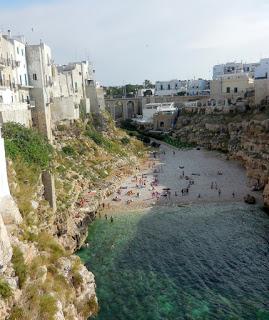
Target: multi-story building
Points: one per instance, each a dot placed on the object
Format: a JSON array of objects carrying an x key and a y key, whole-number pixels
[
  {"x": 199, "y": 87},
  {"x": 262, "y": 81},
  {"x": 231, "y": 87},
  {"x": 41, "y": 79},
  {"x": 15, "y": 103},
  {"x": 170, "y": 88},
  {"x": 232, "y": 68}
]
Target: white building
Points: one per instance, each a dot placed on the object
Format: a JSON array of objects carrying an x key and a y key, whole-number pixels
[
  {"x": 198, "y": 87},
  {"x": 150, "y": 109},
  {"x": 170, "y": 88},
  {"x": 14, "y": 89},
  {"x": 262, "y": 71},
  {"x": 233, "y": 68}
]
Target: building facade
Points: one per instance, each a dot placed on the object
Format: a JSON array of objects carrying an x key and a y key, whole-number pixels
[
  {"x": 15, "y": 103},
  {"x": 170, "y": 88},
  {"x": 234, "y": 68}
]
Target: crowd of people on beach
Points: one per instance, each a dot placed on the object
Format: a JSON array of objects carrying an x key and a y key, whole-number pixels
[{"x": 145, "y": 187}]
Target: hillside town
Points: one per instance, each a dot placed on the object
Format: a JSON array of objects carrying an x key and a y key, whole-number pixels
[
  {"x": 234, "y": 86},
  {"x": 34, "y": 91}
]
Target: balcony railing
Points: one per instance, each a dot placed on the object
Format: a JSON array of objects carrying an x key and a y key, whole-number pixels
[{"x": 6, "y": 62}]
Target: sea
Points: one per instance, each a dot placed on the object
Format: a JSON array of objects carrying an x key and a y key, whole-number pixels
[{"x": 196, "y": 262}]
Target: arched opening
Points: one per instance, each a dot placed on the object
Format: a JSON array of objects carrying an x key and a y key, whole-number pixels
[
  {"x": 130, "y": 110},
  {"x": 118, "y": 110}
]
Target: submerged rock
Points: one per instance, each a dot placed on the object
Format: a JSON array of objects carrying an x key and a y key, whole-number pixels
[{"x": 249, "y": 199}]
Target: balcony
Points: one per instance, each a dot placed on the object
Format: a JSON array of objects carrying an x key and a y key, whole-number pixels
[
  {"x": 9, "y": 63},
  {"x": 5, "y": 84},
  {"x": 25, "y": 86}
]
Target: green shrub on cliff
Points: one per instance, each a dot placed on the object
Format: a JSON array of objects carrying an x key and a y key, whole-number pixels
[
  {"x": 48, "y": 307},
  {"x": 27, "y": 145},
  {"x": 5, "y": 290},
  {"x": 19, "y": 265}
]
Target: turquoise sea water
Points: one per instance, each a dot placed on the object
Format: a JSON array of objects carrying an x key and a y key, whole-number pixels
[{"x": 199, "y": 262}]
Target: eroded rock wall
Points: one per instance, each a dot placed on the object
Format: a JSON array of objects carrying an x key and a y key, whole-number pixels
[{"x": 243, "y": 136}]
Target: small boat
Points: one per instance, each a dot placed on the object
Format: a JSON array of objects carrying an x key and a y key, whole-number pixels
[{"x": 181, "y": 167}]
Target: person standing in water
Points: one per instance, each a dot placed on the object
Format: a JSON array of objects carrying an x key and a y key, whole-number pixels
[{"x": 111, "y": 219}]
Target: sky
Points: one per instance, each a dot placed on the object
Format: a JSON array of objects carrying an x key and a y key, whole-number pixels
[{"x": 129, "y": 41}]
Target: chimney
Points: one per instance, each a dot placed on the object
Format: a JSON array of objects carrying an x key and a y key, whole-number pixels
[{"x": 9, "y": 33}]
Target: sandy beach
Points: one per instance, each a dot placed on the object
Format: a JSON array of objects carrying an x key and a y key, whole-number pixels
[{"x": 175, "y": 177}]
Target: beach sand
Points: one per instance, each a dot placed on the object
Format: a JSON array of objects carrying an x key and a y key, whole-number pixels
[{"x": 174, "y": 169}]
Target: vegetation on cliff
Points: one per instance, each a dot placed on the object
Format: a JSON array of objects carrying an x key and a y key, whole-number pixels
[{"x": 84, "y": 155}]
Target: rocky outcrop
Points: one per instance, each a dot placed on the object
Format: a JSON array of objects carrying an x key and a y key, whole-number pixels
[
  {"x": 9, "y": 211},
  {"x": 73, "y": 230},
  {"x": 243, "y": 136},
  {"x": 5, "y": 246}
]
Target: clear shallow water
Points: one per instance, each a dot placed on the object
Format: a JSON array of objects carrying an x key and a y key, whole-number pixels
[{"x": 199, "y": 262}]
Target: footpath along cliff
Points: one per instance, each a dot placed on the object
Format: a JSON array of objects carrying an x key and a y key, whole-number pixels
[
  {"x": 39, "y": 276},
  {"x": 244, "y": 136}
]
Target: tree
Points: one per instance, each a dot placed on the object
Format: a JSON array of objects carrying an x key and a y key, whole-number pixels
[{"x": 148, "y": 84}]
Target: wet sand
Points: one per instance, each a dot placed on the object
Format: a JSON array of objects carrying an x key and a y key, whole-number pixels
[{"x": 195, "y": 170}]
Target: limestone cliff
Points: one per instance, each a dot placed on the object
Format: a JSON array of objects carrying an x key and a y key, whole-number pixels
[
  {"x": 243, "y": 136},
  {"x": 41, "y": 278}
]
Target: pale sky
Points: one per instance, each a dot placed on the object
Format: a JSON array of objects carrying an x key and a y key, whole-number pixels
[{"x": 129, "y": 41}]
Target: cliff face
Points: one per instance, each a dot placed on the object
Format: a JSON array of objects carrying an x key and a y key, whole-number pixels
[
  {"x": 44, "y": 280},
  {"x": 243, "y": 136}
]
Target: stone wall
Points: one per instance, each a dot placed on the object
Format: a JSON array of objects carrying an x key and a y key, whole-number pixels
[
  {"x": 64, "y": 109},
  {"x": 19, "y": 113}
]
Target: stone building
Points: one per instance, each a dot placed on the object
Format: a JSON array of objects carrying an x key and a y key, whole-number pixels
[
  {"x": 15, "y": 102},
  {"x": 165, "y": 120},
  {"x": 41, "y": 77},
  {"x": 231, "y": 87},
  {"x": 262, "y": 82}
]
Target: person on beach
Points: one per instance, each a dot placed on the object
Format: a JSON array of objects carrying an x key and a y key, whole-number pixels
[
  {"x": 199, "y": 196},
  {"x": 233, "y": 194},
  {"x": 111, "y": 219},
  {"x": 219, "y": 192},
  {"x": 106, "y": 216}
]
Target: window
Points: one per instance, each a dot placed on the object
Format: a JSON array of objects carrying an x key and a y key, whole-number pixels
[
  {"x": 228, "y": 90},
  {"x": 20, "y": 80},
  {"x": 169, "y": 87},
  {"x": 235, "y": 90},
  {"x": 25, "y": 78},
  {"x": 22, "y": 52},
  {"x": 161, "y": 87},
  {"x": 18, "y": 50},
  {"x": 1, "y": 99},
  {"x": 34, "y": 76}
]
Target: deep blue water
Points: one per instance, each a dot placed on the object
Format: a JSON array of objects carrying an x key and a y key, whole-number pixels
[{"x": 199, "y": 262}]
